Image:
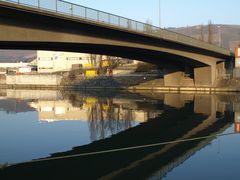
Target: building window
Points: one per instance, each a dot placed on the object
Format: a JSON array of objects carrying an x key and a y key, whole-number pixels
[
  {"x": 45, "y": 58},
  {"x": 74, "y": 58}
]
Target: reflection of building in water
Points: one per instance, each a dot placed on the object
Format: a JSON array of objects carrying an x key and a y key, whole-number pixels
[
  {"x": 90, "y": 109},
  {"x": 104, "y": 118},
  {"x": 58, "y": 110},
  {"x": 28, "y": 94}
]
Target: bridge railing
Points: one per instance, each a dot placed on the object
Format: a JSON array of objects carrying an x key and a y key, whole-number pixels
[{"x": 89, "y": 14}]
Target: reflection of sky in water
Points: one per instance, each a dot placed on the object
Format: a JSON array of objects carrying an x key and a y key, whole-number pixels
[
  {"x": 218, "y": 160},
  {"x": 24, "y": 137}
]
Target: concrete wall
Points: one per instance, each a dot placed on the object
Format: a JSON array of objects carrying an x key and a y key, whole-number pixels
[
  {"x": 177, "y": 79},
  {"x": 186, "y": 82},
  {"x": 203, "y": 76},
  {"x": 221, "y": 72},
  {"x": 173, "y": 79},
  {"x": 153, "y": 83},
  {"x": 43, "y": 79}
]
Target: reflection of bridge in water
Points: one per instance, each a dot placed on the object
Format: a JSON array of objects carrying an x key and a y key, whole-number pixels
[{"x": 183, "y": 117}]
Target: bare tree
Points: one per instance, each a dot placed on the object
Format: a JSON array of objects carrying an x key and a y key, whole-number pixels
[
  {"x": 93, "y": 59},
  {"x": 210, "y": 32},
  {"x": 99, "y": 61},
  {"x": 201, "y": 37}
]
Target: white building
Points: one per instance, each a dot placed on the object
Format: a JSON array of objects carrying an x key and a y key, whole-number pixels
[
  {"x": 53, "y": 61},
  {"x": 14, "y": 65},
  {"x": 4, "y": 67}
]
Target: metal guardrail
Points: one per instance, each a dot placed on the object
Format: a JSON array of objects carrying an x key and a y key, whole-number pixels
[{"x": 85, "y": 13}]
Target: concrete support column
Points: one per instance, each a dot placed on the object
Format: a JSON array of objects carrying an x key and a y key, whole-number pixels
[
  {"x": 220, "y": 71},
  {"x": 205, "y": 76},
  {"x": 213, "y": 72}
]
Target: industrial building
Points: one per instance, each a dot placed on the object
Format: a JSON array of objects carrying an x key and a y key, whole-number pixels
[
  {"x": 13, "y": 67},
  {"x": 55, "y": 61}
]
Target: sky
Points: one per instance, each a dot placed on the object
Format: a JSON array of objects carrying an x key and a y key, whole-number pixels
[{"x": 174, "y": 13}]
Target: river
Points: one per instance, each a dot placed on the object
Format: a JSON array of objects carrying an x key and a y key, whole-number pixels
[{"x": 118, "y": 135}]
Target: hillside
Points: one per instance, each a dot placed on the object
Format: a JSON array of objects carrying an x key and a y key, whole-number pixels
[
  {"x": 228, "y": 36},
  {"x": 17, "y": 55}
]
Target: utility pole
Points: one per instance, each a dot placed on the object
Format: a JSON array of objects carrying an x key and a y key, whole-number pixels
[
  {"x": 210, "y": 32},
  {"x": 201, "y": 33},
  {"x": 160, "y": 13},
  {"x": 219, "y": 36}
]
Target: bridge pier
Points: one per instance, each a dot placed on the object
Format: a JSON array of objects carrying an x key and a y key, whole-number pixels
[{"x": 205, "y": 76}]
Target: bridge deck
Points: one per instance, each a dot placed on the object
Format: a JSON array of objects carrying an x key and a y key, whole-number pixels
[{"x": 86, "y": 14}]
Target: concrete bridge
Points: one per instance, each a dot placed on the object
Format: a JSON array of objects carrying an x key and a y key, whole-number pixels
[{"x": 59, "y": 25}]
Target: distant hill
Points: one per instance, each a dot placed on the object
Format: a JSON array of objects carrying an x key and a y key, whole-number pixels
[
  {"x": 228, "y": 36},
  {"x": 17, "y": 55}
]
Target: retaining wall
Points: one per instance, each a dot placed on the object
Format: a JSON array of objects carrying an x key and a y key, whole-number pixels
[{"x": 40, "y": 79}]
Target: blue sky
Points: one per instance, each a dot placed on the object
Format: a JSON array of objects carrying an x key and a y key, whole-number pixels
[{"x": 174, "y": 13}]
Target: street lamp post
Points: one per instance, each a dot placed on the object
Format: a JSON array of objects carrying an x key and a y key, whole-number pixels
[
  {"x": 219, "y": 36},
  {"x": 160, "y": 13}
]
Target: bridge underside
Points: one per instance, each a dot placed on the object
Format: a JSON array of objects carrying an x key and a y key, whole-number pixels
[
  {"x": 174, "y": 66},
  {"x": 38, "y": 30}
]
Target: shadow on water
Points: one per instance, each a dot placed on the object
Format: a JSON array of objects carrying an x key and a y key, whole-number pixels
[{"x": 182, "y": 117}]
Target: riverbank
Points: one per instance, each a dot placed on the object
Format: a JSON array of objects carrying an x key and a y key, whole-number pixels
[
  {"x": 131, "y": 89},
  {"x": 131, "y": 83}
]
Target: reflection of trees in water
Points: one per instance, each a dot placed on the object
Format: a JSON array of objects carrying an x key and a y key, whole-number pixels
[{"x": 106, "y": 119}]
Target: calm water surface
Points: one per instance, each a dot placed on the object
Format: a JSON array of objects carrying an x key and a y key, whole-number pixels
[{"x": 46, "y": 128}]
